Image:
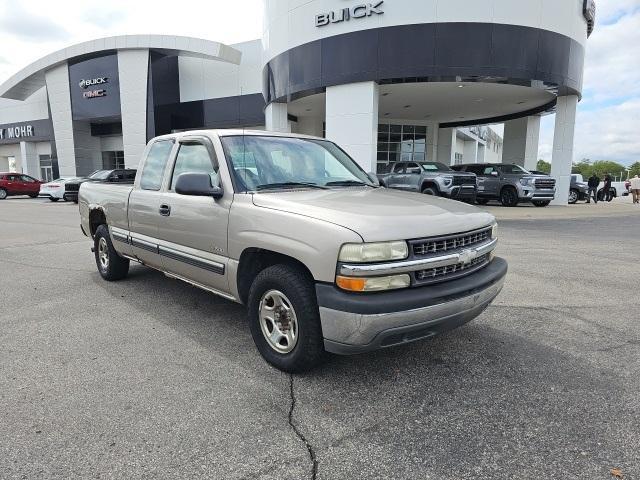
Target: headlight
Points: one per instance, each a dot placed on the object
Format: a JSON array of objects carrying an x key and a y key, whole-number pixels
[
  {"x": 375, "y": 284},
  {"x": 526, "y": 181},
  {"x": 494, "y": 231},
  {"x": 373, "y": 252},
  {"x": 447, "y": 180}
]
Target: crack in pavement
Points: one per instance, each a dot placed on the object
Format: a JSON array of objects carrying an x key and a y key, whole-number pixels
[{"x": 299, "y": 434}]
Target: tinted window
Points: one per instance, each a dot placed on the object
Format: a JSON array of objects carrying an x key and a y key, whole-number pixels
[
  {"x": 398, "y": 168},
  {"x": 488, "y": 170},
  {"x": 155, "y": 164},
  {"x": 26, "y": 179},
  {"x": 435, "y": 167},
  {"x": 513, "y": 169},
  {"x": 193, "y": 158}
]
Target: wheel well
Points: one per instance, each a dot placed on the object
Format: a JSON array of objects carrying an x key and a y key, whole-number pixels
[
  {"x": 96, "y": 218},
  {"x": 506, "y": 187},
  {"x": 431, "y": 184},
  {"x": 255, "y": 260}
]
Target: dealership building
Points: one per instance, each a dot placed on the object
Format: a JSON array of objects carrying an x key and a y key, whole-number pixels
[{"x": 390, "y": 80}]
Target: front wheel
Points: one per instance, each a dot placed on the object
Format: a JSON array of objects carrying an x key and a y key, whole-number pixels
[
  {"x": 541, "y": 203},
  {"x": 430, "y": 191},
  {"x": 53, "y": 199},
  {"x": 509, "y": 197},
  {"x": 573, "y": 196},
  {"x": 3, "y": 194},
  {"x": 33, "y": 195},
  {"x": 111, "y": 266},
  {"x": 284, "y": 319}
]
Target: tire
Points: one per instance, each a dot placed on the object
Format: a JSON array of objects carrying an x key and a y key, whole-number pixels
[
  {"x": 288, "y": 289},
  {"x": 33, "y": 195},
  {"x": 75, "y": 200},
  {"x": 574, "y": 195},
  {"x": 430, "y": 191},
  {"x": 3, "y": 194},
  {"x": 53, "y": 199},
  {"x": 482, "y": 201},
  {"x": 509, "y": 197},
  {"x": 542, "y": 203},
  {"x": 112, "y": 267}
]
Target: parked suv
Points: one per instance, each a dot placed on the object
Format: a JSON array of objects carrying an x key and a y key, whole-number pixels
[
  {"x": 431, "y": 178},
  {"x": 120, "y": 175},
  {"x": 510, "y": 184},
  {"x": 12, "y": 184}
]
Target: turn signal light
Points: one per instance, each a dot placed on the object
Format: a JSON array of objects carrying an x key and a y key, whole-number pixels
[
  {"x": 374, "y": 284},
  {"x": 351, "y": 284}
]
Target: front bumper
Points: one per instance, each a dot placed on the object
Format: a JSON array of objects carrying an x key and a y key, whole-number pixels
[
  {"x": 464, "y": 192},
  {"x": 529, "y": 193},
  {"x": 357, "y": 323}
]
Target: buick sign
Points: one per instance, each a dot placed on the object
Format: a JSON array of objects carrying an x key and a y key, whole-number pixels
[
  {"x": 345, "y": 14},
  {"x": 86, "y": 83}
]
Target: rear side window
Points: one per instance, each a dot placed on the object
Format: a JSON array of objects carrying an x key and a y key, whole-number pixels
[{"x": 154, "y": 165}]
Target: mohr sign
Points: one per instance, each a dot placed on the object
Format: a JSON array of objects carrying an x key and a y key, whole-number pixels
[
  {"x": 16, "y": 132},
  {"x": 346, "y": 14}
]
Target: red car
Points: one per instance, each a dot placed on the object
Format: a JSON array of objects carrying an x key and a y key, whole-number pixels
[{"x": 18, "y": 184}]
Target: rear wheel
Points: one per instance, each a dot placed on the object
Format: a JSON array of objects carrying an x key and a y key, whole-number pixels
[
  {"x": 33, "y": 195},
  {"x": 111, "y": 266},
  {"x": 573, "y": 196},
  {"x": 3, "y": 194},
  {"x": 509, "y": 197},
  {"x": 284, "y": 319},
  {"x": 542, "y": 203}
]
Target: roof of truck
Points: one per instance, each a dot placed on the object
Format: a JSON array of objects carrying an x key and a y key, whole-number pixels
[{"x": 236, "y": 132}]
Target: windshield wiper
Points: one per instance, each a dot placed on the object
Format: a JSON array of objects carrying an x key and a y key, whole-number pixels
[
  {"x": 348, "y": 183},
  {"x": 274, "y": 186}
]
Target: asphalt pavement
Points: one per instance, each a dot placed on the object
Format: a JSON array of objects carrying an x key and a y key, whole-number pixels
[{"x": 152, "y": 378}]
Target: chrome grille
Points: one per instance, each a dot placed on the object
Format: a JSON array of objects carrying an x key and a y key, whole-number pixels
[
  {"x": 545, "y": 182},
  {"x": 447, "y": 244},
  {"x": 441, "y": 274}
]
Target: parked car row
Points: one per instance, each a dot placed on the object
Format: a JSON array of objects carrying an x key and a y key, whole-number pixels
[{"x": 63, "y": 188}]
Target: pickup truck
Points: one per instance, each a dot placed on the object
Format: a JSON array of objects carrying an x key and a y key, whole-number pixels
[
  {"x": 119, "y": 175},
  {"x": 510, "y": 184},
  {"x": 431, "y": 178},
  {"x": 323, "y": 258}
]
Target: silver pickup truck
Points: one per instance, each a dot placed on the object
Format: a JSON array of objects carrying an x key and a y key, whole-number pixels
[{"x": 324, "y": 258}]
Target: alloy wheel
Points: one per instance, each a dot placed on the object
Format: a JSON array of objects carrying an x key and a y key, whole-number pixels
[
  {"x": 103, "y": 254},
  {"x": 278, "y": 321}
]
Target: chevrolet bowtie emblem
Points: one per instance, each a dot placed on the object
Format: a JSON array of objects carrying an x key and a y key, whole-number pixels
[{"x": 467, "y": 256}]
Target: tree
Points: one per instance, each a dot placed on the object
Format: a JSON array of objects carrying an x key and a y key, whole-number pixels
[
  {"x": 634, "y": 169},
  {"x": 600, "y": 168},
  {"x": 543, "y": 166}
]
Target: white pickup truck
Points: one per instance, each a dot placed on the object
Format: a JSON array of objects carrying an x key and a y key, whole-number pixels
[{"x": 324, "y": 258}]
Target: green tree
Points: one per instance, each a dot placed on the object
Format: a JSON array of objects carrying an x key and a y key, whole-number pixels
[
  {"x": 543, "y": 166},
  {"x": 583, "y": 167},
  {"x": 634, "y": 169}
]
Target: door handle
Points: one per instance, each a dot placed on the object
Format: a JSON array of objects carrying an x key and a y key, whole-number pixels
[{"x": 165, "y": 210}]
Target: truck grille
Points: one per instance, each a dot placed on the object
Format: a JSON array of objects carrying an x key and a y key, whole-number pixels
[
  {"x": 441, "y": 274},
  {"x": 71, "y": 187},
  {"x": 449, "y": 243},
  {"x": 545, "y": 183},
  {"x": 459, "y": 181}
]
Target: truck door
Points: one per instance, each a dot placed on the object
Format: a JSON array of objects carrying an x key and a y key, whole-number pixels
[
  {"x": 193, "y": 229},
  {"x": 144, "y": 204},
  {"x": 413, "y": 177},
  {"x": 490, "y": 176},
  {"x": 395, "y": 179}
]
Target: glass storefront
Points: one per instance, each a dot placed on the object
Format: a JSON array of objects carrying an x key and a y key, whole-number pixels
[
  {"x": 112, "y": 160},
  {"x": 46, "y": 168},
  {"x": 404, "y": 143}
]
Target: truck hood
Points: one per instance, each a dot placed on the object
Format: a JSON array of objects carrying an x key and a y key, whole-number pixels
[{"x": 379, "y": 214}]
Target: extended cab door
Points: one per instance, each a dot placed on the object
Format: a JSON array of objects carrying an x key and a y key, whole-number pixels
[
  {"x": 193, "y": 229},
  {"x": 144, "y": 203},
  {"x": 395, "y": 178},
  {"x": 490, "y": 179}
]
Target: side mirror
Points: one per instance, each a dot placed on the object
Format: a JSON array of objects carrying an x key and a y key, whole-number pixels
[
  {"x": 197, "y": 185},
  {"x": 374, "y": 178}
]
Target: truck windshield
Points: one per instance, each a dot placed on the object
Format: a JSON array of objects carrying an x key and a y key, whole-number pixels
[
  {"x": 266, "y": 163},
  {"x": 435, "y": 167}
]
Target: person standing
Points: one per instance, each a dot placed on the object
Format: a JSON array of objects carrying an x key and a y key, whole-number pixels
[
  {"x": 606, "y": 190},
  {"x": 635, "y": 189},
  {"x": 594, "y": 182}
]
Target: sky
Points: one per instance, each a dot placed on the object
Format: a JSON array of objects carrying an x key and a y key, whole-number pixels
[{"x": 608, "y": 121}]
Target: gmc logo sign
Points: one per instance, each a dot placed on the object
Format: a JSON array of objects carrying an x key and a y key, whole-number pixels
[{"x": 346, "y": 14}]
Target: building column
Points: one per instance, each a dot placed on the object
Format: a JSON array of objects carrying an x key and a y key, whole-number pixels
[
  {"x": 446, "y": 145},
  {"x": 30, "y": 161},
  {"x": 59, "y": 97},
  {"x": 521, "y": 139},
  {"x": 310, "y": 126},
  {"x": 432, "y": 142},
  {"x": 482, "y": 149},
  {"x": 277, "y": 118},
  {"x": 133, "y": 70},
  {"x": 562, "y": 158},
  {"x": 352, "y": 121},
  {"x": 470, "y": 154}
]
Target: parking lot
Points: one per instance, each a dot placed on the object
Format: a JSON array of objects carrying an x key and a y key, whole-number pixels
[{"x": 152, "y": 378}]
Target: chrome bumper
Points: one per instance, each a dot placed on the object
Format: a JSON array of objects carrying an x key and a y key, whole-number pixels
[{"x": 350, "y": 333}]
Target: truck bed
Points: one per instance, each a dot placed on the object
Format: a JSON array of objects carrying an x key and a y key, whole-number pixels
[{"x": 112, "y": 198}]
